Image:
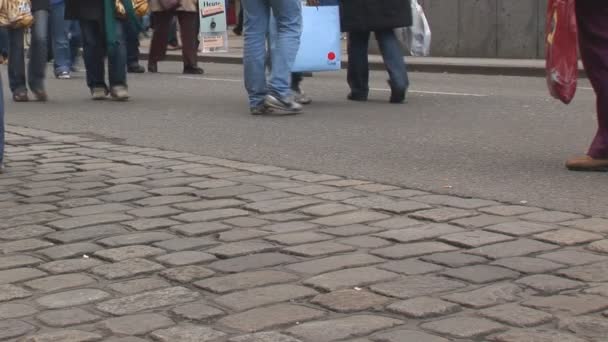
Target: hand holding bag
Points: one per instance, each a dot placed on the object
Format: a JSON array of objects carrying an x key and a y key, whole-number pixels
[{"x": 561, "y": 49}]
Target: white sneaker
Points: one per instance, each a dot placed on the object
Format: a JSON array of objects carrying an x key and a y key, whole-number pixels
[
  {"x": 119, "y": 93},
  {"x": 99, "y": 93}
]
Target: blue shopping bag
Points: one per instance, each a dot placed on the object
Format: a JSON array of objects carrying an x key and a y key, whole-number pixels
[{"x": 321, "y": 42}]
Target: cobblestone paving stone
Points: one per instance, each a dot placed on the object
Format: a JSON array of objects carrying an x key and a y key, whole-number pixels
[{"x": 107, "y": 242}]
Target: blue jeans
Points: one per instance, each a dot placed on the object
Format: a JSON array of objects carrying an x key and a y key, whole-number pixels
[
  {"x": 358, "y": 64},
  {"x": 65, "y": 37},
  {"x": 94, "y": 45},
  {"x": 288, "y": 14},
  {"x": 38, "y": 55}
]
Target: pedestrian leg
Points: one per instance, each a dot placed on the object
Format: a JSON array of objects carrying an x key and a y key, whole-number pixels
[
  {"x": 188, "y": 23},
  {"x": 256, "y": 17},
  {"x": 358, "y": 65},
  {"x": 288, "y": 18},
  {"x": 93, "y": 52},
  {"x": 16, "y": 65},
  {"x": 392, "y": 55},
  {"x": 158, "y": 46}
]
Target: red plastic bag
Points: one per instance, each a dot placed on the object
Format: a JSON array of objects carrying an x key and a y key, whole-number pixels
[{"x": 562, "y": 49}]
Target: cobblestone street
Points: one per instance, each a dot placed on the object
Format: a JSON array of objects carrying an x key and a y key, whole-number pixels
[{"x": 107, "y": 242}]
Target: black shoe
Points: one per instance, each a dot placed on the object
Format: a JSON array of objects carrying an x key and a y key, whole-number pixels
[
  {"x": 238, "y": 30},
  {"x": 397, "y": 94},
  {"x": 193, "y": 71},
  {"x": 358, "y": 98},
  {"x": 136, "y": 69},
  {"x": 153, "y": 68}
]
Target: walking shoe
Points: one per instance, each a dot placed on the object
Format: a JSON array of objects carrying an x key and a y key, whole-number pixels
[
  {"x": 357, "y": 98},
  {"x": 135, "y": 68},
  {"x": 63, "y": 75},
  {"x": 99, "y": 93},
  {"x": 153, "y": 68},
  {"x": 119, "y": 93},
  {"x": 20, "y": 96},
  {"x": 588, "y": 164},
  {"x": 40, "y": 95},
  {"x": 300, "y": 97},
  {"x": 190, "y": 70},
  {"x": 286, "y": 106},
  {"x": 261, "y": 110},
  {"x": 397, "y": 94}
]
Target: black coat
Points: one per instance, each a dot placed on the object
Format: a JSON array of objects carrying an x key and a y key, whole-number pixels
[
  {"x": 374, "y": 15},
  {"x": 84, "y": 10},
  {"x": 40, "y": 5}
]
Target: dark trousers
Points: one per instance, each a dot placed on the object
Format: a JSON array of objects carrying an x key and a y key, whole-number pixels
[
  {"x": 593, "y": 38},
  {"x": 94, "y": 46},
  {"x": 358, "y": 63},
  {"x": 132, "y": 43},
  {"x": 188, "y": 22}
]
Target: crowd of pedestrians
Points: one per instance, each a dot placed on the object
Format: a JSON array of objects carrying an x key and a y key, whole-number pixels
[{"x": 103, "y": 36}]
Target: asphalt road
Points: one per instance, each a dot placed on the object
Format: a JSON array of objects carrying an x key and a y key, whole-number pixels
[{"x": 492, "y": 137}]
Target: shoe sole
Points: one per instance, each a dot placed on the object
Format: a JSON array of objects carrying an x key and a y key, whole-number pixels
[
  {"x": 120, "y": 99},
  {"x": 588, "y": 169}
]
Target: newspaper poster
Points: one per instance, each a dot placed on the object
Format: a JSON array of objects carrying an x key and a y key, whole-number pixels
[{"x": 213, "y": 32}]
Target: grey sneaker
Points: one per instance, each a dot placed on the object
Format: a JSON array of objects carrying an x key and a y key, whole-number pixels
[
  {"x": 99, "y": 93},
  {"x": 260, "y": 110},
  {"x": 284, "y": 106},
  {"x": 300, "y": 97},
  {"x": 119, "y": 93}
]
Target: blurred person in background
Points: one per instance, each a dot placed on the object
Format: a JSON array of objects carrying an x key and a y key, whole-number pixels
[
  {"x": 38, "y": 52},
  {"x": 103, "y": 34},
  {"x": 187, "y": 15},
  {"x": 362, "y": 17},
  {"x": 65, "y": 37},
  {"x": 592, "y": 18}
]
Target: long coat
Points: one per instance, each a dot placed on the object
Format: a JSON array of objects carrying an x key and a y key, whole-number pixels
[
  {"x": 84, "y": 10},
  {"x": 186, "y": 6},
  {"x": 40, "y": 5},
  {"x": 374, "y": 15}
]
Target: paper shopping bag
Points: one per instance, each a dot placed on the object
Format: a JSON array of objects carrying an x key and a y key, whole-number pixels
[{"x": 561, "y": 49}]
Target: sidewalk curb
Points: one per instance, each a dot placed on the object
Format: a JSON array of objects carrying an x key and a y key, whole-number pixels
[{"x": 414, "y": 66}]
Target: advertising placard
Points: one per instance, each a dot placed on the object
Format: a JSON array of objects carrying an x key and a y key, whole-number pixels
[{"x": 213, "y": 28}]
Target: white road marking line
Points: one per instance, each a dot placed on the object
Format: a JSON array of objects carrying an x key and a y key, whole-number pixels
[
  {"x": 210, "y": 79},
  {"x": 434, "y": 92},
  {"x": 375, "y": 89},
  {"x": 585, "y": 88}
]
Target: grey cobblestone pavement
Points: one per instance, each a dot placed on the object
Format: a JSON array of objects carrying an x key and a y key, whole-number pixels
[{"x": 107, "y": 242}]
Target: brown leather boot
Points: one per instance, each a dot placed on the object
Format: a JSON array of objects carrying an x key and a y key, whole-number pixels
[{"x": 587, "y": 163}]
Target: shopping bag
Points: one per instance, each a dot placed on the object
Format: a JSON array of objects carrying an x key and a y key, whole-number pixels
[
  {"x": 417, "y": 38},
  {"x": 562, "y": 49},
  {"x": 320, "y": 43},
  {"x": 4, "y": 14},
  {"x": 20, "y": 13}
]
